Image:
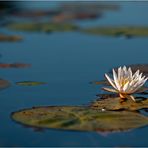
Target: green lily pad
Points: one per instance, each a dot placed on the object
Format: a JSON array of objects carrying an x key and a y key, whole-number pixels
[
  {"x": 30, "y": 83},
  {"x": 79, "y": 118},
  {"x": 4, "y": 84},
  {"x": 42, "y": 27},
  {"x": 116, "y": 103},
  {"x": 127, "y": 31}
]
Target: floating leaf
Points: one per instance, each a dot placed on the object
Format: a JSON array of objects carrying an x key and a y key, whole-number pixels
[
  {"x": 43, "y": 27},
  {"x": 4, "y": 84},
  {"x": 30, "y": 83},
  {"x": 14, "y": 65},
  {"x": 116, "y": 103},
  {"x": 127, "y": 31},
  {"x": 79, "y": 118},
  {"x": 11, "y": 38}
]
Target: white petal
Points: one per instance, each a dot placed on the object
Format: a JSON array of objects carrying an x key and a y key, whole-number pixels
[
  {"x": 124, "y": 68},
  {"x": 130, "y": 73},
  {"x": 110, "y": 81},
  {"x": 125, "y": 88},
  {"x": 140, "y": 76},
  {"x": 125, "y": 71},
  {"x": 136, "y": 74},
  {"x": 136, "y": 88},
  {"x": 109, "y": 89},
  {"x": 119, "y": 73},
  {"x": 116, "y": 79}
]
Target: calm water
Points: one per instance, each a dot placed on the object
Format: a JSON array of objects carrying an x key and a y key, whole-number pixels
[{"x": 68, "y": 61}]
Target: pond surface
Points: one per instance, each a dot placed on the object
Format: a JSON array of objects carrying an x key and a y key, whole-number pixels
[{"x": 67, "y": 62}]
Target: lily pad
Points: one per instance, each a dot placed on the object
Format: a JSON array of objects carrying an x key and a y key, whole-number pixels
[
  {"x": 116, "y": 103},
  {"x": 14, "y": 65},
  {"x": 10, "y": 38},
  {"x": 126, "y": 31},
  {"x": 79, "y": 118},
  {"x": 30, "y": 83},
  {"x": 4, "y": 84},
  {"x": 42, "y": 27}
]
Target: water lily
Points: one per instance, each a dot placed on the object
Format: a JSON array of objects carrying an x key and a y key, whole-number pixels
[{"x": 126, "y": 83}]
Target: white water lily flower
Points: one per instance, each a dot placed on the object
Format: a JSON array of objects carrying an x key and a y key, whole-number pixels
[{"x": 125, "y": 82}]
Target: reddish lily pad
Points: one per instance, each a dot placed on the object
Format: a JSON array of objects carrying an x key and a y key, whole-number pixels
[
  {"x": 79, "y": 119},
  {"x": 11, "y": 38},
  {"x": 14, "y": 65},
  {"x": 30, "y": 83}
]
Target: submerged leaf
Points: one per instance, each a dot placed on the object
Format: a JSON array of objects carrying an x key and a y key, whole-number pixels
[
  {"x": 79, "y": 118},
  {"x": 116, "y": 103},
  {"x": 30, "y": 83}
]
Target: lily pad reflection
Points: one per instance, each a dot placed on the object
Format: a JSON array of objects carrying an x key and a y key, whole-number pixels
[{"x": 79, "y": 118}]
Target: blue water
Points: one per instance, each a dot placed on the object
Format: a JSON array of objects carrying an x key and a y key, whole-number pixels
[{"x": 68, "y": 61}]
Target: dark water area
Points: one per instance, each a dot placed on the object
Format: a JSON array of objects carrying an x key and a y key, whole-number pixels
[{"x": 67, "y": 62}]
